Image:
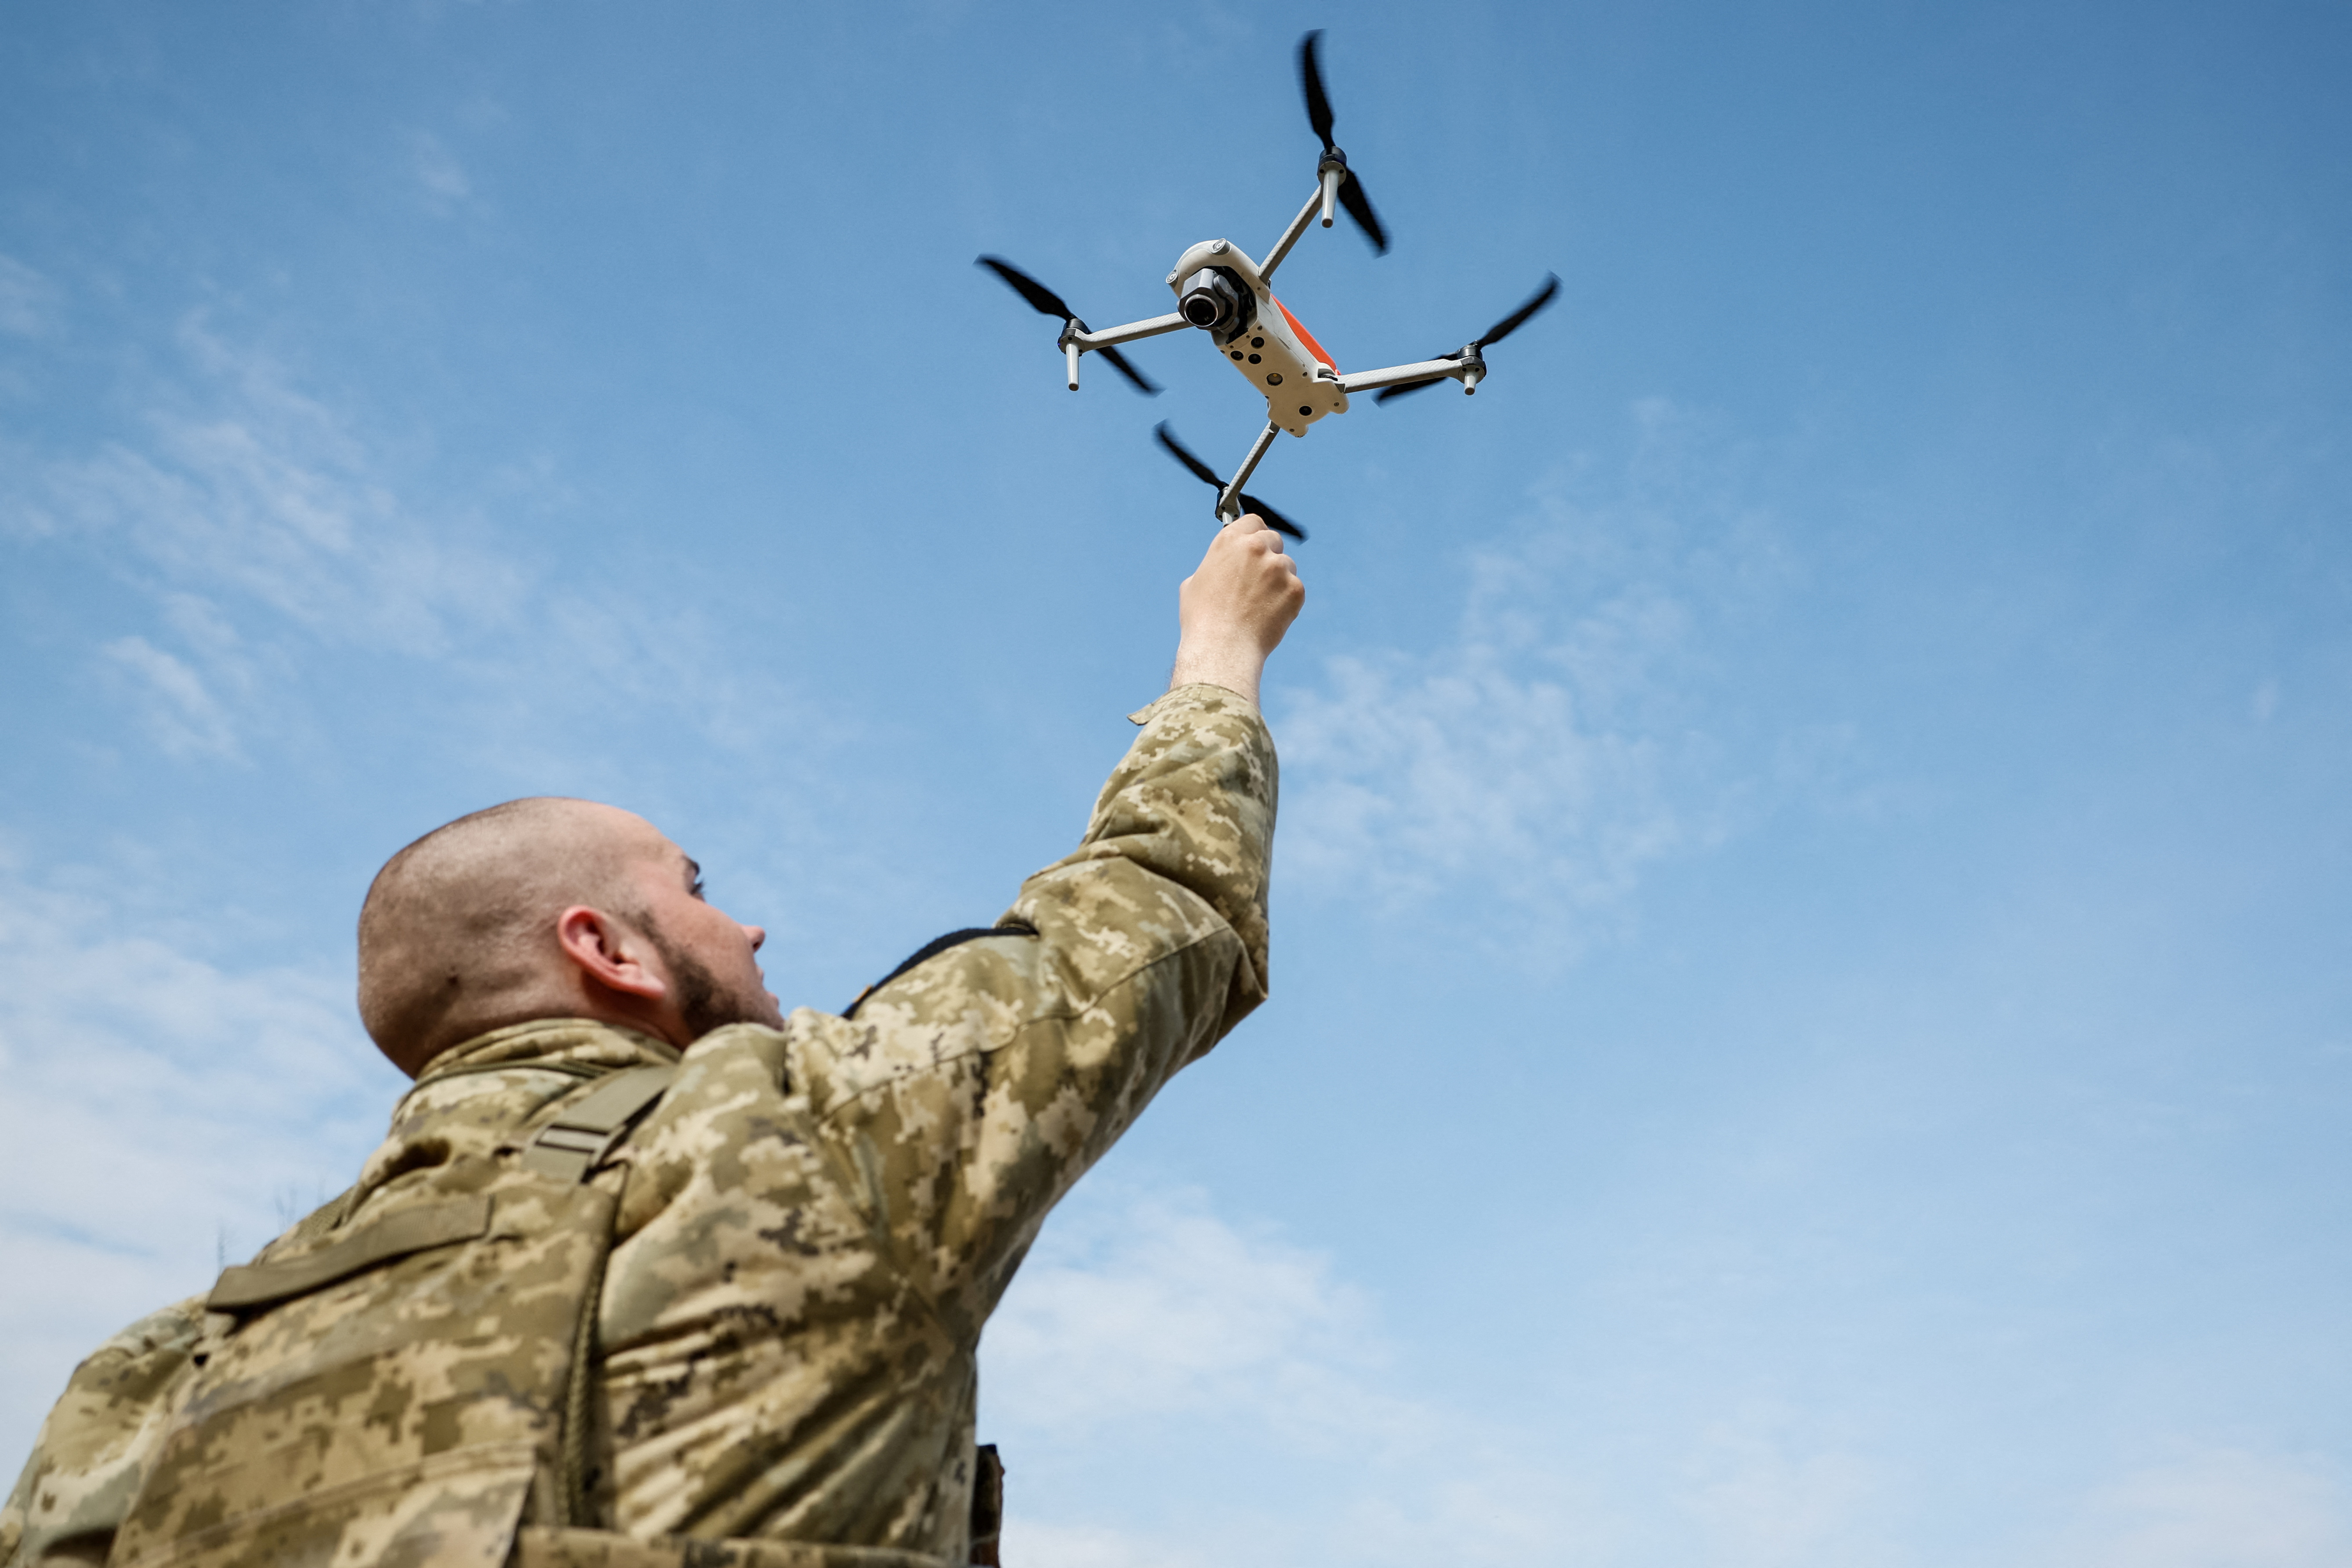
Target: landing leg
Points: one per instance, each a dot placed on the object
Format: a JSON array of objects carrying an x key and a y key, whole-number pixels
[{"x": 1229, "y": 504}]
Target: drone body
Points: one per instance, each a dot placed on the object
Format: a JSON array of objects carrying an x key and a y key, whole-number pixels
[
  {"x": 1222, "y": 293},
  {"x": 1280, "y": 360}
]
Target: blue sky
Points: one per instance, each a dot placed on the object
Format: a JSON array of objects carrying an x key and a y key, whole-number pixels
[{"x": 1811, "y": 1018}]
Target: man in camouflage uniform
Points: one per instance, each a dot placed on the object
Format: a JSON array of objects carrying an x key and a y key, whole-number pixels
[{"x": 809, "y": 1227}]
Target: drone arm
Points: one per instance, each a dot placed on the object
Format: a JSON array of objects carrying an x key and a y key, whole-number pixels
[
  {"x": 1076, "y": 339},
  {"x": 1229, "y": 503},
  {"x": 1290, "y": 236},
  {"x": 1462, "y": 370},
  {"x": 1110, "y": 337}
]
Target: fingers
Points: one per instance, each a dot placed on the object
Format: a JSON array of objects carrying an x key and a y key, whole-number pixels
[
  {"x": 1250, "y": 523},
  {"x": 1236, "y": 606}
]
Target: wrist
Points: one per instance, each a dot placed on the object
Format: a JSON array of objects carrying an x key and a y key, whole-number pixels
[{"x": 1235, "y": 667}]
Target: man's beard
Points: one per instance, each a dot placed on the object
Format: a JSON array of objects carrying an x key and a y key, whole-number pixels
[{"x": 703, "y": 1004}]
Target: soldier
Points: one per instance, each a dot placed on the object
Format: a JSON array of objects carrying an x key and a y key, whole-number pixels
[{"x": 647, "y": 1272}]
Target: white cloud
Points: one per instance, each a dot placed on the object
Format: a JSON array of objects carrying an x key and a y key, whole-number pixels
[
  {"x": 1162, "y": 1309},
  {"x": 2217, "y": 1508},
  {"x": 1043, "y": 1545},
  {"x": 29, "y": 303},
  {"x": 266, "y": 528},
  {"x": 1763, "y": 1499},
  {"x": 260, "y": 525},
  {"x": 1416, "y": 774},
  {"x": 156, "y": 1114},
  {"x": 248, "y": 489},
  {"x": 180, "y": 713},
  {"x": 1249, "y": 1383},
  {"x": 1546, "y": 755},
  {"x": 1241, "y": 1361},
  {"x": 438, "y": 174}
]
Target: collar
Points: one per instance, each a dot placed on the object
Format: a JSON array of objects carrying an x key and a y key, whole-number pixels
[{"x": 581, "y": 1045}]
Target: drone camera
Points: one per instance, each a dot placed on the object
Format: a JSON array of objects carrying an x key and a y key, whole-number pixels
[{"x": 1210, "y": 301}]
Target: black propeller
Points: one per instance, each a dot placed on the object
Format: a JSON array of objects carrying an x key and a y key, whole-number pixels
[
  {"x": 1494, "y": 334},
  {"x": 1318, "y": 116},
  {"x": 1048, "y": 303},
  {"x": 1208, "y": 476}
]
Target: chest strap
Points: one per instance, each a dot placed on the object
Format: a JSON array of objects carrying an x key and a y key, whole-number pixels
[{"x": 584, "y": 1132}]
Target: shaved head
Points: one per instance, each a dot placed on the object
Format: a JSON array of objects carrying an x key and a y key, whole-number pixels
[{"x": 457, "y": 935}]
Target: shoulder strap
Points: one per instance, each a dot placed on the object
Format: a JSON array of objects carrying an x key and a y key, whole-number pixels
[
  {"x": 936, "y": 946},
  {"x": 584, "y": 1132},
  {"x": 396, "y": 1235}
]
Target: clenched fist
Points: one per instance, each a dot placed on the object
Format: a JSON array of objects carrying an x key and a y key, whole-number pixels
[{"x": 1233, "y": 611}]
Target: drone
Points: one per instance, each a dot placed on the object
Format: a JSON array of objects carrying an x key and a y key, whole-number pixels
[{"x": 1221, "y": 292}]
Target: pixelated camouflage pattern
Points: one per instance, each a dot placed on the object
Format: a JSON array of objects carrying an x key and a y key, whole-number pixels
[
  {"x": 537, "y": 1547},
  {"x": 815, "y": 1222},
  {"x": 818, "y": 1222},
  {"x": 403, "y": 1415},
  {"x": 92, "y": 1450}
]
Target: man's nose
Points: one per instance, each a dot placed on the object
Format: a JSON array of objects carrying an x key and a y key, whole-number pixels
[{"x": 758, "y": 936}]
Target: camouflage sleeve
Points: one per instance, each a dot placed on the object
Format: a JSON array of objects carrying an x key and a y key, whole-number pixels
[
  {"x": 974, "y": 1091},
  {"x": 93, "y": 1448}
]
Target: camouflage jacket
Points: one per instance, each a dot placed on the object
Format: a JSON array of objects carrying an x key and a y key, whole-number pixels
[{"x": 815, "y": 1222}]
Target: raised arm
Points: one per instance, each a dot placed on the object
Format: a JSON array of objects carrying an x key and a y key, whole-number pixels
[{"x": 974, "y": 1090}]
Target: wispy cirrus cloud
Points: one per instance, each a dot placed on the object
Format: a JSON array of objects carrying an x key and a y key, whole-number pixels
[
  {"x": 1548, "y": 754},
  {"x": 267, "y": 528},
  {"x": 243, "y": 489},
  {"x": 30, "y": 305},
  {"x": 262, "y": 530},
  {"x": 177, "y": 706}
]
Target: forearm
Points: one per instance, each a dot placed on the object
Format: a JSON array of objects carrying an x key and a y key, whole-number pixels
[
  {"x": 1193, "y": 803},
  {"x": 1232, "y": 664}
]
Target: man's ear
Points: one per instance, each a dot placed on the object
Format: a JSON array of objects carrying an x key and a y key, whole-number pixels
[{"x": 608, "y": 953}]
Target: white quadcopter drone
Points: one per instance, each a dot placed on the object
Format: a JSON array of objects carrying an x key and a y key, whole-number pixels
[{"x": 1224, "y": 293}]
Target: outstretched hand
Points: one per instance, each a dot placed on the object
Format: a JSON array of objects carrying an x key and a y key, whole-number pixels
[{"x": 1233, "y": 609}]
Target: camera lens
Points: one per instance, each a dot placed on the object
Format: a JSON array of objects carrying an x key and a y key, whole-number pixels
[{"x": 1210, "y": 298}]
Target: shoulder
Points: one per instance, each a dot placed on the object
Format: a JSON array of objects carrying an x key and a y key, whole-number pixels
[{"x": 965, "y": 1001}]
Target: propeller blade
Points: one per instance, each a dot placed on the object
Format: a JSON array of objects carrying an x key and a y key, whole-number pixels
[
  {"x": 1402, "y": 387},
  {"x": 1178, "y": 450},
  {"x": 1318, "y": 107},
  {"x": 1360, "y": 207},
  {"x": 1272, "y": 519},
  {"x": 1117, "y": 362},
  {"x": 1208, "y": 476},
  {"x": 1512, "y": 323},
  {"x": 1495, "y": 334},
  {"x": 1048, "y": 303},
  {"x": 1045, "y": 299}
]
